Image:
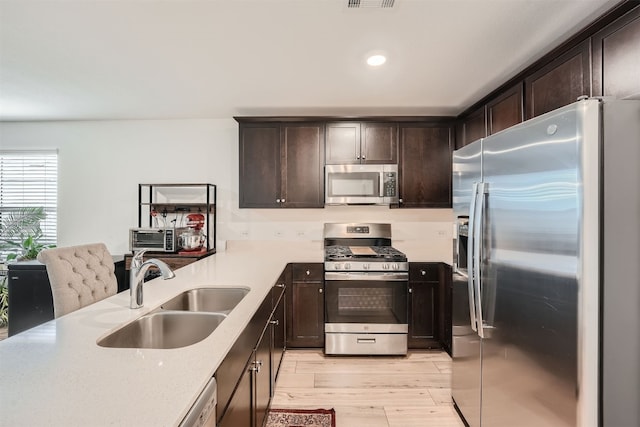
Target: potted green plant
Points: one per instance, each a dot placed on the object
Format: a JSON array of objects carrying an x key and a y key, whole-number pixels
[{"x": 20, "y": 233}]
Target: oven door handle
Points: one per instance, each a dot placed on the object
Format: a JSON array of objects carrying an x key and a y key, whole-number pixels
[{"x": 366, "y": 276}]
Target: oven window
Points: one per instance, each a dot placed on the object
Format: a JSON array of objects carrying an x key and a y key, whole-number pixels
[
  {"x": 150, "y": 240},
  {"x": 354, "y": 184},
  {"x": 366, "y": 302}
]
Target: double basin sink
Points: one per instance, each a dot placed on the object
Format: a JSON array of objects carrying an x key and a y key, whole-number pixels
[{"x": 185, "y": 319}]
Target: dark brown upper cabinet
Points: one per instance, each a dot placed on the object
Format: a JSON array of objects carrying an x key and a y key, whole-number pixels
[
  {"x": 259, "y": 165},
  {"x": 505, "y": 110},
  {"x": 560, "y": 82},
  {"x": 472, "y": 128},
  {"x": 424, "y": 165},
  {"x": 616, "y": 58},
  {"x": 361, "y": 142},
  {"x": 501, "y": 112},
  {"x": 281, "y": 165}
]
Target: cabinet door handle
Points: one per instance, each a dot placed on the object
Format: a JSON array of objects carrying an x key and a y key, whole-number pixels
[
  {"x": 277, "y": 200},
  {"x": 283, "y": 200},
  {"x": 400, "y": 201},
  {"x": 410, "y": 290},
  {"x": 308, "y": 272},
  {"x": 423, "y": 272},
  {"x": 364, "y": 158},
  {"x": 357, "y": 157},
  {"x": 320, "y": 290},
  {"x": 280, "y": 285},
  {"x": 275, "y": 322}
]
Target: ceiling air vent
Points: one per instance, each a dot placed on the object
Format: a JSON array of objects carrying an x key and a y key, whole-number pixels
[{"x": 371, "y": 3}]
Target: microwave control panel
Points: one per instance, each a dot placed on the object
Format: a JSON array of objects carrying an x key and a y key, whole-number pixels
[{"x": 390, "y": 184}]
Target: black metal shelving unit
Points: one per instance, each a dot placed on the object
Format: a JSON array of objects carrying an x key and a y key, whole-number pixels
[{"x": 176, "y": 200}]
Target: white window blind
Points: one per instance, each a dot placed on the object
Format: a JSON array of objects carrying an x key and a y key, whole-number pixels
[{"x": 30, "y": 179}]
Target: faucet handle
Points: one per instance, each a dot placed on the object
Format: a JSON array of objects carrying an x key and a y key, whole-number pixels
[{"x": 137, "y": 259}]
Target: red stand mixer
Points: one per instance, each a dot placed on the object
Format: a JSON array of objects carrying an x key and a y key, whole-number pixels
[{"x": 193, "y": 240}]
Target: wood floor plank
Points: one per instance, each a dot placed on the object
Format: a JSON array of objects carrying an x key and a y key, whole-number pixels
[
  {"x": 442, "y": 396},
  {"x": 364, "y": 366},
  {"x": 355, "y": 396},
  {"x": 436, "y": 416},
  {"x": 382, "y": 380},
  {"x": 443, "y": 367},
  {"x": 294, "y": 380},
  {"x": 305, "y": 354},
  {"x": 428, "y": 355},
  {"x": 361, "y": 416}
]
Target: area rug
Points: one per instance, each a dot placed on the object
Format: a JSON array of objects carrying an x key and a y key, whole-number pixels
[{"x": 301, "y": 418}]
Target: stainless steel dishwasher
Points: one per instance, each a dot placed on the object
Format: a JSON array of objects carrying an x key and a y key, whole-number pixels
[{"x": 203, "y": 411}]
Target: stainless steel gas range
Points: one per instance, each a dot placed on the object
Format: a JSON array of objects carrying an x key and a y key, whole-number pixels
[{"x": 366, "y": 291}]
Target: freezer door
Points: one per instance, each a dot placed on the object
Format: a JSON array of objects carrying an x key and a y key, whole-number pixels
[
  {"x": 465, "y": 381},
  {"x": 529, "y": 272}
]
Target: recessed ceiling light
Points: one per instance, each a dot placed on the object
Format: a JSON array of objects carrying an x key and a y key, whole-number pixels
[{"x": 376, "y": 60}]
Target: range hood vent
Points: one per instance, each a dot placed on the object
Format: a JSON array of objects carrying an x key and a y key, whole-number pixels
[{"x": 371, "y": 3}]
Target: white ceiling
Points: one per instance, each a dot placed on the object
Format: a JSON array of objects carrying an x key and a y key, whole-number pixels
[{"x": 150, "y": 59}]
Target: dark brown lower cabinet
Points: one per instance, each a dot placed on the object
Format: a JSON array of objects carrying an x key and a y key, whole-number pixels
[
  {"x": 261, "y": 378},
  {"x": 250, "y": 402},
  {"x": 424, "y": 305},
  {"x": 246, "y": 377},
  {"x": 305, "y": 306},
  {"x": 238, "y": 412},
  {"x": 278, "y": 330}
]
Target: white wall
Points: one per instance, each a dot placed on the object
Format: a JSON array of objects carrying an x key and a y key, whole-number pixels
[{"x": 101, "y": 164}]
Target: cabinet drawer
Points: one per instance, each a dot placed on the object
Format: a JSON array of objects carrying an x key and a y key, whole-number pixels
[
  {"x": 424, "y": 271},
  {"x": 308, "y": 272}
]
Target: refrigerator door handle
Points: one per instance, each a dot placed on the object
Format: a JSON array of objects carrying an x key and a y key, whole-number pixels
[
  {"x": 471, "y": 257},
  {"x": 477, "y": 250}
]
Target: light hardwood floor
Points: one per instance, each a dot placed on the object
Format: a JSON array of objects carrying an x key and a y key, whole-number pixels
[{"x": 370, "y": 391}]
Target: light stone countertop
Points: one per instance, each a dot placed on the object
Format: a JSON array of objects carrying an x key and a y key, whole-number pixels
[{"x": 56, "y": 374}]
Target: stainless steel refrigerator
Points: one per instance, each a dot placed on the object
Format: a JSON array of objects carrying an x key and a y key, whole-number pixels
[{"x": 546, "y": 282}]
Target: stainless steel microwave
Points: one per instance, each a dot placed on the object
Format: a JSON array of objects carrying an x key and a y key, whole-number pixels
[
  {"x": 361, "y": 184},
  {"x": 155, "y": 239}
]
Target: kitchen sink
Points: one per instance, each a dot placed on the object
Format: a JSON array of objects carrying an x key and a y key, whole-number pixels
[
  {"x": 217, "y": 300},
  {"x": 164, "y": 330}
]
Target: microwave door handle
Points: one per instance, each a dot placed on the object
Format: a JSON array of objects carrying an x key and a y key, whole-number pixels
[
  {"x": 471, "y": 257},
  {"x": 380, "y": 184}
]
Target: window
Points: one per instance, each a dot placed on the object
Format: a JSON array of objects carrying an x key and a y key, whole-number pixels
[{"x": 30, "y": 179}]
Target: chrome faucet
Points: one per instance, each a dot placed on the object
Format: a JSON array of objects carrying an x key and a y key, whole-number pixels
[{"x": 136, "y": 276}]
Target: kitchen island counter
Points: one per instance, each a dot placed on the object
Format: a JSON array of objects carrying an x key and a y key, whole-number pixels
[{"x": 56, "y": 374}]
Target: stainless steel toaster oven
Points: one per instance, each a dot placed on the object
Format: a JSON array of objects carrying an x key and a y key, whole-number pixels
[{"x": 155, "y": 239}]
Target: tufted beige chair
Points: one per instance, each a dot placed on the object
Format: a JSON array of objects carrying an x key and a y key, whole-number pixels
[{"x": 79, "y": 276}]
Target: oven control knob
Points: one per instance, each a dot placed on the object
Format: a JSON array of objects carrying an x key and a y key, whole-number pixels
[
  {"x": 396, "y": 266},
  {"x": 385, "y": 266},
  {"x": 336, "y": 266},
  {"x": 347, "y": 266},
  {"x": 365, "y": 266}
]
